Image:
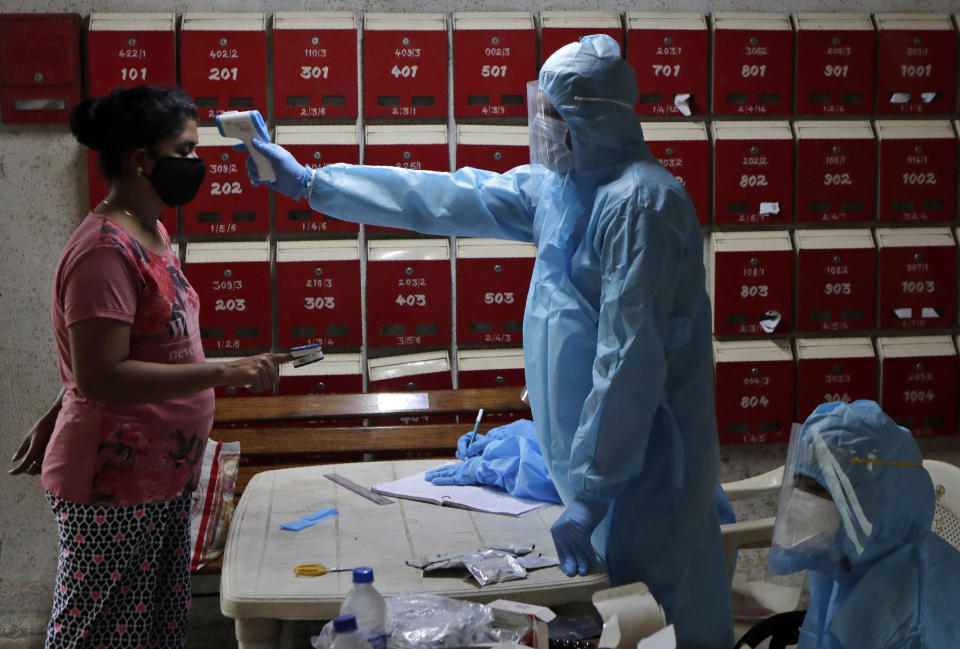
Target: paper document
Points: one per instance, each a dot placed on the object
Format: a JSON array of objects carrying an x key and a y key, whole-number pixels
[{"x": 483, "y": 499}]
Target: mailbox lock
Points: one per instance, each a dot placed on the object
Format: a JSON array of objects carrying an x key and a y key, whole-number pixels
[
  {"x": 38, "y": 77},
  {"x": 409, "y": 271},
  {"x": 411, "y": 386},
  {"x": 670, "y": 151},
  {"x": 916, "y": 40},
  {"x": 495, "y": 40},
  {"x": 317, "y": 272},
  {"x": 224, "y": 156},
  {"x": 837, "y": 259},
  {"x": 754, "y": 261},
  {"x": 497, "y": 156},
  {"x": 837, "y": 368},
  {"x": 497, "y": 268},
  {"x": 668, "y": 40},
  {"x": 836, "y": 148},
  {"x": 918, "y": 148},
  {"x": 321, "y": 386},
  {"x": 836, "y": 40},
  {"x": 406, "y": 155},
  {"x": 223, "y": 42},
  {"x": 317, "y": 155},
  {"x": 227, "y": 272},
  {"x": 754, "y": 150},
  {"x": 406, "y": 40},
  {"x": 499, "y": 380},
  {"x": 132, "y": 42},
  {"x": 315, "y": 41},
  {"x": 754, "y": 40},
  {"x": 919, "y": 367},
  {"x": 755, "y": 372},
  {"x": 918, "y": 256},
  {"x": 232, "y": 390}
]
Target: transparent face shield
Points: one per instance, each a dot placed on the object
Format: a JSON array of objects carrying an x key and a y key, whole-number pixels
[
  {"x": 551, "y": 146},
  {"x": 807, "y": 522}
]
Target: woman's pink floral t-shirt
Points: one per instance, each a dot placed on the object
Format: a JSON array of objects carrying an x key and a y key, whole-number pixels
[{"x": 127, "y": 454}]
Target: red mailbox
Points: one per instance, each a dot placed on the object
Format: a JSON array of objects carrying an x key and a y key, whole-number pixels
[
  {"x": 99, "y": 187},
  {"x": 918, "y": 170},
  {"x": 40, "y": 75},
  {"x": 916, "y": 64},
  {"x": 752, "y": 64},
  {"x": 836, "y": 172},
  {"x": 918, "y": 278},
  {"x": 494, "y": 56},
  {"x": 836, "y": 275},
  {"x": 918, "y": 383},
  {"x": 318, "y": 293},
  {"x": 411, "y": 373},
  {"x": 233, "y": 282},
  {"x": 835, "y": 63},
  {"x": 405, "y": 65},
  {"x": 752, "y": 173},
  {"x": 557, "y": 28},
  {"x": 684, "y": 149},
  {"x": 755, "y": 390},
  {"x": 131, "y": 50},
  {"x": 223, "y": 61},
  {"x": 834, "y": 369},
  {"x": 490, "y": 368},
  {"x": 751, "y": 283},
  {"x": 227, "y": 203},
  {"x": 492, "y": 147},
  {"x": 413, "y": 146},
  {"x": 669, "y": 52},
  {"x": 314, "y": 64},
  {"x": 335, "y": 374},
  {"x": 492, "y": 281},
  {"x": 408, "y": 292},
  {"x": 315, "y": 146}
]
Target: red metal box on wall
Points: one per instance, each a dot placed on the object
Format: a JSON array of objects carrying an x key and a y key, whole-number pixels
[
  {"x": 314, "y": 64},
  {"x": 492, "y": 147},
  {"x": 836, "y": 280},
  {"x": 232, "y": 280},
  {"x": 916, "y": 64},
  {"x": 335, "y": 374},
  {"x": 492, "y": 281},
  {"x": 315, "y": 147},
  {"x": 752, "y": 64},
  {"x": 754, "y": 390},
  {"x": 494, "y": 56},
  {"x": 834, "y": 369},
  {"x": 917, "y": 279},
  {"x": 836, "y": 172},
  {"x": 130, "y": 50},
  {"x": 918, "y": 170},
  {"x": 836, "y": 56},
  {"x": 223, "y": 61},
  {"x": 557, "y": 28},
  {"x": 918, "y": 378},
  {"x": 751, "y": 283},
  {"x": 669, "y": 53},
  {"x": 318, "y": 293}
]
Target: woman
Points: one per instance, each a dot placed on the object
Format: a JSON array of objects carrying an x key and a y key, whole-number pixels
[{"x": 137, "y": 404}]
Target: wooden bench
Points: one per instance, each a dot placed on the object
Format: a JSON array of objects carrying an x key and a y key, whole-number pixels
[{"x": 278, "y": 432}]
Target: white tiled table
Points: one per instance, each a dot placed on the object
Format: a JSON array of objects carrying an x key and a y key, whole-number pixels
[{"x": 258, "y": 588}]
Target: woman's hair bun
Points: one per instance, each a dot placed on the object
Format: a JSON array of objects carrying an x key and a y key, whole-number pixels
[{"x": 87, "y": 123}]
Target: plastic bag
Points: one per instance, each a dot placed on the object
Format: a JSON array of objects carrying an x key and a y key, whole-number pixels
[{"x": 211, "y": 505}]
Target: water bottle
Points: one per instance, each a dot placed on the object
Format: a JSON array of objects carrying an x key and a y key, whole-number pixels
[
  {"x": 345, "y": 634},
  {"x": 368, "y": 607}
]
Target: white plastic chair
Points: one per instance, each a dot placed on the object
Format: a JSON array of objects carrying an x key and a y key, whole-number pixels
[{"x": 946, "y": 483}]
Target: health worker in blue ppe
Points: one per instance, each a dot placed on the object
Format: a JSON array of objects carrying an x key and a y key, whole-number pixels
[
  {"x": 616, "y": 331},
  {"x": 855, "y": 512}
]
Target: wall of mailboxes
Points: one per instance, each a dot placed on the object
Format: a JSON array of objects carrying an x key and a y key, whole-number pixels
[{"x": 820, "y": 150}]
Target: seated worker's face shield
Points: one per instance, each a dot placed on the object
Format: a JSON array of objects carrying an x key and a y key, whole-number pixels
[
  {"x": 551, "y": 146},
  {"x": 808, "y": 521}
]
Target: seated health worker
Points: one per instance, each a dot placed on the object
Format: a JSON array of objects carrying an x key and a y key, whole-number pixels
[
  {"x": 137, "y": 404},
  {"x": 617, "y": 327},
  {"x": 855, "y": 512}
]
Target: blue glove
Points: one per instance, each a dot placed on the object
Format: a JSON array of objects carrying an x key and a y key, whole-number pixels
[
  {"x": 467, "y": 450},
  {"x": 571, "y": 536},
  {"x": 518, "y": 428},
  {"x": 292, "y": 177},
  {"x": 463, "y": 473}
]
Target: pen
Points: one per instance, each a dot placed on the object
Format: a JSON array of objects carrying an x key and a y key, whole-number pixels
[{"x": 476, "y": 425}]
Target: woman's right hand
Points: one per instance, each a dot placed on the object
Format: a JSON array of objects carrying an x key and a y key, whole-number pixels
[
  {"x": 29, "y": 457},
  {"x": 256, "y": 373}
]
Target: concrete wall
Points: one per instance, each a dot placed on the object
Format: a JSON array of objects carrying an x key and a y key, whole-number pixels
[{"x": 43, "y": 197}]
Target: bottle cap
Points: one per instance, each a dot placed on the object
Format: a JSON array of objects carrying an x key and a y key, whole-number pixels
[
  {"x": 363, "y": 575},
  {"x": 344, "y": 623}
]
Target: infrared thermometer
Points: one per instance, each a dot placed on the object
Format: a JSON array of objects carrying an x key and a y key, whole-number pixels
[{"x": 245, "y": 126}]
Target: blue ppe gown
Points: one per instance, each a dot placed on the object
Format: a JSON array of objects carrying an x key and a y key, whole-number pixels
[
  {"x": 885, "y": 581},
  {"x": 617, "y": 327}
]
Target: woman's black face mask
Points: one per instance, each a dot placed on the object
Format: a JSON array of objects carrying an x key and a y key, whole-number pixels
[{"x": 177, "y": 179}]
